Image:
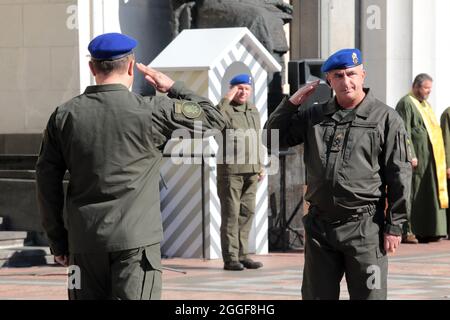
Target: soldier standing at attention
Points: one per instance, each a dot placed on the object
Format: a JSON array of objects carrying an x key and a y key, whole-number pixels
[
  {"x": 356, "y": 156},
  {"x": 111, "y": 140},
  {"x": 239, "y": 173}
]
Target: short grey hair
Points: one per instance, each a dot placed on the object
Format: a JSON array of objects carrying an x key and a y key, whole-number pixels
[
  {"x": 420, "y": 79},
  {"x": 106, "y": 67}
]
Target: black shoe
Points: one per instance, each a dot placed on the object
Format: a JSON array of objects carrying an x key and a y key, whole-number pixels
[
  {"x": 250, "y": 264},
  {"x": 233, "y": 266}
]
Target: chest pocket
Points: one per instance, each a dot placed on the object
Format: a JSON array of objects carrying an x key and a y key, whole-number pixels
[
  {"x": 363, "y": 142},
  {"x": 327, "y": 132},
  {"x": 254, "y": 115},
  {"x": 238, "y": 120},
  {"x": 245, "y": 120}
]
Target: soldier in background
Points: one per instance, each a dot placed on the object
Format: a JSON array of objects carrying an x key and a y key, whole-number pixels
[{"x": 238, "y": 172}]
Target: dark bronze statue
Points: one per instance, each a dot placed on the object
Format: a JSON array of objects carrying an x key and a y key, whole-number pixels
[{"x": 264, "y": 18}]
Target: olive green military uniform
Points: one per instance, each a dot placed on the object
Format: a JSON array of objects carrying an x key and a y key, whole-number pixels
[
  {"x": 237, "y": 176},
  {"x": 110, "y": 141},
  {"x": 354, "y": 162}
]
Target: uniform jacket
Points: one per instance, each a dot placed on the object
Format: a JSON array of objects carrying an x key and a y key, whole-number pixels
[
  {"x": 110, "y": 141},
  {"x": 241, "y": 138},
  {"x": 351, "y": 162}
]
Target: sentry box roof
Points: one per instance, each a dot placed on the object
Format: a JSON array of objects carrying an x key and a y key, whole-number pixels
[{"x": 202, "y": 49}]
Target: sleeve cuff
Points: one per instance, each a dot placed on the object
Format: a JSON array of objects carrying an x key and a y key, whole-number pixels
[
  {"x": 395, "y": 230},
  {"x": 176, "y": 89},
  {"x": 289, "y": 105},
  {"x": 58, "y": 249}
]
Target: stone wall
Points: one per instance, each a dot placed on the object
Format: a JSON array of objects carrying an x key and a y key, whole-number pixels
[{"x": 38, "y": 59}]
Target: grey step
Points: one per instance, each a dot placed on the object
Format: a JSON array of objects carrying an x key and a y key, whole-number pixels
[
  {"x": 12, "y": 239},
  {"x": 10, "y": 235},
  {"x": 23, "y": 174},
  {"x": 13, "y": 243},
  {"x": 25, "y": 251},
  {"x": 22, "y": 262},
  {"x": 17, "y": 161},
  {"x": 26, "y": 256},
  {"x": 18, "y": 174}
]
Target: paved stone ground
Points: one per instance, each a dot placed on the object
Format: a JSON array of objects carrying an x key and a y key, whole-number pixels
[{"x": 415, "y": 272}]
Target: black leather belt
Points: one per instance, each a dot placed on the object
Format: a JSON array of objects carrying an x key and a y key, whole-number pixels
[{"x": 344, "y": 216}]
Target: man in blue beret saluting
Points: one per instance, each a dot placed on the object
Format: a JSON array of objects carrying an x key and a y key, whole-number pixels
[
  {"x": 357, "y": 156},
  {"x": 110, "y": 140},
  {"x": 238, "y": 172}
]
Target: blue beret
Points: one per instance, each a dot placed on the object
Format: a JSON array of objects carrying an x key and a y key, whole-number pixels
[
  {"x": 241, "y": 79},
  {"x": 343, "y": 59},
  {"x": 111, "y": 46}
]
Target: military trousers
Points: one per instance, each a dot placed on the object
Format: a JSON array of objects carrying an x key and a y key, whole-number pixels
[
  {"x": 347, "y": 247},
  {"x": 237, "y": 194},
  {"x": 133, "y": 274}
]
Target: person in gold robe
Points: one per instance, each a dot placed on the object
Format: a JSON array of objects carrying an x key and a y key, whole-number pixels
[{"x": 427, "y": 221}]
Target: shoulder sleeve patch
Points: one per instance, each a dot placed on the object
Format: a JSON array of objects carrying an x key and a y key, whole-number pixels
[{"x": 190, "y": 109}]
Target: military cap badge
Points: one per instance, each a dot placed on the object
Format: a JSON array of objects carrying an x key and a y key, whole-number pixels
[{"x": 355, "y": 58}]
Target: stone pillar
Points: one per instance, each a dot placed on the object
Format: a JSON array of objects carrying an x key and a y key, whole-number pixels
[
  {"x": 38, "y": 62},
  {"x": 430, "y": 48},
  {"x": 400, "y": 39},
  {"x": 338, "y": 25},
  {"x": 305, "y": 30},
  {"x": 386, "y": 42},
  {"x": 320, "y": 28}
]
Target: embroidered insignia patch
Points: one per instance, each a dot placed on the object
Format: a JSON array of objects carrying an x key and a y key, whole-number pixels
[{"x": 191, "y": 109}]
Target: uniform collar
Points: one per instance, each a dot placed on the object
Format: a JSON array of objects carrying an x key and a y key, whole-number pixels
[
  {"x": 240, "y": 107},
  {"x": 106, "y": 87},
  {"x": 362, "y": 110}
]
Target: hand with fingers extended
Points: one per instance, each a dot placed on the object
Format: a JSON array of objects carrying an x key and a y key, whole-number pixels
[
  {"x": 158, "y": 80},
  {"x": 303, "y": 93},
  {"x": 231, "y": 93}
]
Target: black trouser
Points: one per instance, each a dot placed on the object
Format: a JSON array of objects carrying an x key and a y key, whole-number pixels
[
  {"x": 133, "y": 274},
  {"x": 347, "y": 247}
]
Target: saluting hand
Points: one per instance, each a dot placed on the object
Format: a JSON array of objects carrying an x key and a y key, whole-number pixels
[
  {"x": 303, "y": 93},
  {"x": 158, "y": 80},
  {"x": 231, "y": 93}
]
